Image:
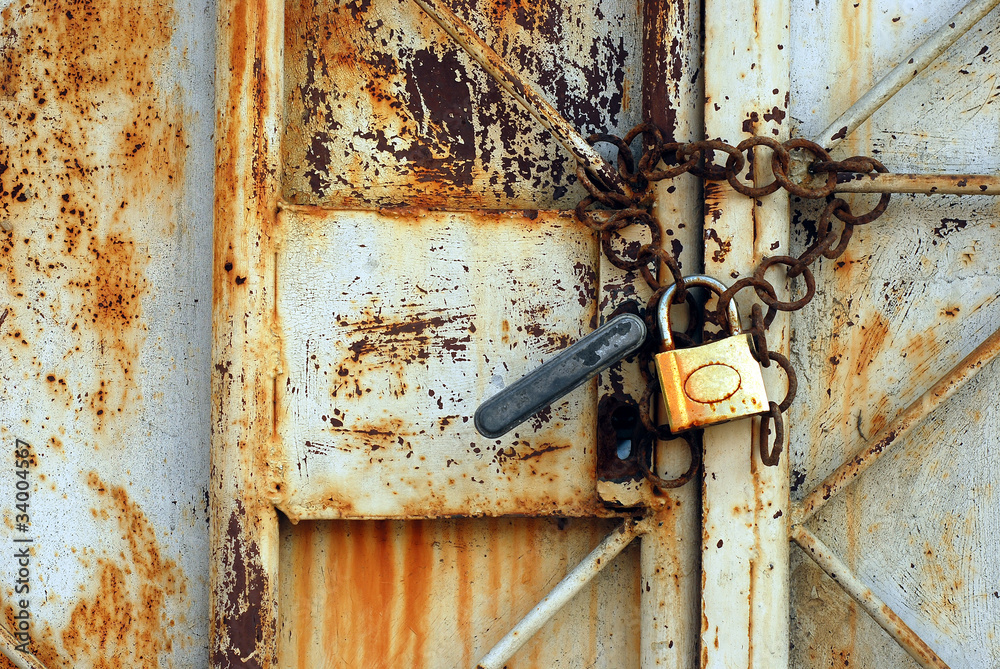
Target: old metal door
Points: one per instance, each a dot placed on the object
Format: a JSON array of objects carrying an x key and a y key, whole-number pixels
[{"x": 392, "y": 246}]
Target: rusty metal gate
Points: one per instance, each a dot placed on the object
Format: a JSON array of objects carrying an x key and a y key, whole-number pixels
[{"x": 394, "y": 242}]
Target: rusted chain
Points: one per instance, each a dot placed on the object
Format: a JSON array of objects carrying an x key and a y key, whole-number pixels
[{"x": 658, "y": 160}]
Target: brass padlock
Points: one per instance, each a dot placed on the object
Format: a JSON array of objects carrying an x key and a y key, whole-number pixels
[{"x": 712, "y": 383}]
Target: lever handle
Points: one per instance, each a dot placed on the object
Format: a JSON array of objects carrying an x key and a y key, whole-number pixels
[{"x": 615, "y": 340}]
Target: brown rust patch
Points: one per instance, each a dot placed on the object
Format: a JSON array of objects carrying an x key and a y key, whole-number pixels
[
  {"x": 240, "y": 618},
  {"x": 436, "y": 129}
]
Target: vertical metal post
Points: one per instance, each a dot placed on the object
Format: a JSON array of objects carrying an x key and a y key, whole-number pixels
[
  {"x": 745, "y": 505},
  {"x": 244, "y": 528},
  {"x": 672, "y": 97}
]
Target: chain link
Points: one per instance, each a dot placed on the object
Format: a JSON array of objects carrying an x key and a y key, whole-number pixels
[{"x": 659, "y": 160}]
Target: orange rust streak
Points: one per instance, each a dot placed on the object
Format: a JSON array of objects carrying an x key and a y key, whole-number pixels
[
  {"x": 418, "y": 559},
  {"x": 305, "y": 559},
  {"x": 463, "y": 593}
]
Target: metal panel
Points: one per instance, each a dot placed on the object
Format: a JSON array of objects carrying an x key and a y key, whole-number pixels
[
  {"x": 913, "y": 295},
  {"x": 387, "y": 356},
  {"x": 383, "y": 108},
  {"x": 441, "y": 593},
  {"x": 106, "y": 121}
]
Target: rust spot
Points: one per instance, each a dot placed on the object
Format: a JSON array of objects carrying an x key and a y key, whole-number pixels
[
  {"x": 776, "y": 114},
  {"x": 240, "y": 639},
  {"x": 719, "y": 255},
  {"x": 435, "y": 130}
]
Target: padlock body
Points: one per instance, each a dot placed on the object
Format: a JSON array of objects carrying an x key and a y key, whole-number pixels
[{"x": 710, "y": 384}]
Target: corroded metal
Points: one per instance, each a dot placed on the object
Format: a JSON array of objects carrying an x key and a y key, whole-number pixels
[
  {"x": 525, "y": 93},
  {"x": 909, "y": 300},
  {"x": 672, "y": 94},
  {"x": 9, "y": 647},
  {"x": 244, "y": 525},
  {"x": 104, "y": 150},
  {"x": 442, "y": 593},
  {"x": 387, "y": 109},
  {"x": 908, "y": 68},
  {"x": 929, "y": 184},
  {"x": 562, "y": 593},
  {"x": 880, "y": 612}
]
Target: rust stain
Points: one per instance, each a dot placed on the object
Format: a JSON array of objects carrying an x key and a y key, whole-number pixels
[
  {"x": 87, "y": 131},
  {"x": 464, "y": 592},
  {"x": 422, "y": 594},
  {"x": 239, "y": 599},
  {"x": 438, "y": 130},
  {"x": 826, "y": 618},
  {"x": 123, "y": 620}
]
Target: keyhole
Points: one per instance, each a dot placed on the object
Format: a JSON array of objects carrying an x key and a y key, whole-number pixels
[{"x": 624, "y": 420}]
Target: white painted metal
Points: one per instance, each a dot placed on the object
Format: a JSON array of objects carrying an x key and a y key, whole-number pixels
[
  {"x": 746, "y": 589},
  {"x": 394, "y": 327},
  {"x": 887, "y": 619},
  {"x": 908, "y": 68},
  {"x": 896, "y": 431},
  {"x": 744, "y": 537},
  {"x": 106, "y": 115},
  {"x": 919, "y": 300}
]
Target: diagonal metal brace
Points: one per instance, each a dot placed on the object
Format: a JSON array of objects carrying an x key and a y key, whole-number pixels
[
  {"x": 574, "y": 582},
  {"x": 524, "y": 92}
]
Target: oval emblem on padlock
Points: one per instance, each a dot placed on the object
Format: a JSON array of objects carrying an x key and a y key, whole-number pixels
[{"x": 715, "y": 382}]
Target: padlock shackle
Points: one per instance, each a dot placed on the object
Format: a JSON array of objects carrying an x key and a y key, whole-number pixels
[{"x": 699, "y": 281}]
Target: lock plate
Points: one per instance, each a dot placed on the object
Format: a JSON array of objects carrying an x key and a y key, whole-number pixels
[{"x": 711, "y": 384}]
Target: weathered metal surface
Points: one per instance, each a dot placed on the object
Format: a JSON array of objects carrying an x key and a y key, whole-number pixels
[
  {"x": 511, "y": 81},
  {"x": 105, "y": 120},
  {"x": 243, "y": 539},
  {"x": 387, "y": 357},
  {"x": 672, "y": 93},
  {"x": 441, "y": 593},
  {"x": 386, "y": 109},
  {"x": 564, "y": 592},
  {"x": 744, "y": 535},
  {"x": 914, "y": 295},
  {"x": 443, "y": 172},
  {"x": 879, "y": 611},
  {"x": 880, "y": 444},
  {"x": 909, "y": 67},
  {"x": 930, "y": 184}
]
